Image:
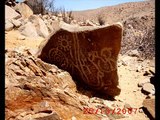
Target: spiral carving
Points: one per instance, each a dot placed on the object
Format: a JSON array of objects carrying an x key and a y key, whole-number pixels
[{"x": 56, "y": 56}]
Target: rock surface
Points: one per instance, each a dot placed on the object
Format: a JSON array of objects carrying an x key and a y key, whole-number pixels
[
  {"x": 8, "y": 25},
  {"x": 24, "y": 10},
  {"x": 16, "y": 23},
  {"x": 11, "y": 13},
  {"x": 149, "y": 104},
  {"x": 89, "y": 54},
  {"x": 41, "y": 28},
  {"x": 28, "y": 30},
  {"x": 39, "y": 91}
]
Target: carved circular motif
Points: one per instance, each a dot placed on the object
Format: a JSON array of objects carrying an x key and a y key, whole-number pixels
[{"x": 57, "y": 57}]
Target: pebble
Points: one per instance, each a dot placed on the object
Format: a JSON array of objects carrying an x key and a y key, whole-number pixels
[
  {"x": 73, "y": 118},
  {"x": 140, "y": 110},
  {"x": 21, "y": 37}
]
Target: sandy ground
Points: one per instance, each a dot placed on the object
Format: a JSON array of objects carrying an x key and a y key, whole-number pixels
[
  {"x": 12, "y": 41},
  {"x": 128, "y": 78}
]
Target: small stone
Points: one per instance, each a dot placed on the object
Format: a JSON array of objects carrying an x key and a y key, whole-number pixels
[
  {"x": 146, "y": 73},
  {"x": 127, "y": 105},
  {"x": 140, "y": 110},
  {"x": 74, "y": 118},
  {"x": 139, "y": 69},
  {"x": 142, "y": 82},
  {"x": 89, "y": 23},
  {"x": 124, "y": 63},
  {"x": 42, "y": 106},
  {"x": 134, "y": 53},
  {"x": 134, "y": 90},
  {"x": 21, "y": 37},
  {"x": 148, "y": 88},
  {"x": 126, "y": 60},
  {"x": 16, "y": 23}
]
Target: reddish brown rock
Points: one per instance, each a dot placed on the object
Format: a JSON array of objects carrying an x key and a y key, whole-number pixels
[
  {"x": 88, "y": 53},
  {"x": 35, "y": 90}
]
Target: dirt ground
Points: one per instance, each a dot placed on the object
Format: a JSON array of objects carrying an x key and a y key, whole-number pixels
[{"x": 128, "y": 77}]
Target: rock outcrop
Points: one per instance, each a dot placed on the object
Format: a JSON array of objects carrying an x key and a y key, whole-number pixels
[
  {"x": 88, "y": 53},
  {"x": 40, "y": 91}
]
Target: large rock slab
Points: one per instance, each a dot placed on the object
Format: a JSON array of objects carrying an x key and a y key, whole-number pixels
[
  {"x": 24, "y": 10},
  {"x": 88, "y": 53},
  {"x": 11, "y": 13}
]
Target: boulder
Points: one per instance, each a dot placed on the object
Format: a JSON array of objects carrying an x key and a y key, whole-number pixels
[
  {"x": 24, "y": 10},
  {"x": 134, "y": 53},
  {"x": 21, "y": 37},
  {"x": 8, "y": 25},
  {"x": 149, "y": 104},
  {"x": 11, "y": 13},
  {"x": 53, "y": 26},
  {"x": 28, "y": 30},
  {"x": 89, "y": 53},
  {"x": 41, "y": 27},
  {"x": 33, "y": 84},
  {"x": 148, "y": 88},
  {"x": 142, "y": 82}
]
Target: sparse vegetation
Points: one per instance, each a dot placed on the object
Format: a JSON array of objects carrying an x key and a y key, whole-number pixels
[
  {"x": 41, "y": 6},
  {"x": 142, "y": 38},
  {"x": 101, "y": 20},
  {"x": 45, "y": 6}
]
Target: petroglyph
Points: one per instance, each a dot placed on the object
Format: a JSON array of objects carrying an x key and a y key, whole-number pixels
[{"x": 89, "y": 55}]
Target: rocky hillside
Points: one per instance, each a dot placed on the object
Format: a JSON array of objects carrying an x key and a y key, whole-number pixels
[
  {"x": 138, "y": 19},
  {"x": 39, "y": 90}
]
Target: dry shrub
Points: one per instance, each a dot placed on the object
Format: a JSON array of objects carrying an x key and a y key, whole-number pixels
[
  {"x": 41, "y": 6},
  {"x": 101, "y": 20},
  {"x": 139, "y": 34}
]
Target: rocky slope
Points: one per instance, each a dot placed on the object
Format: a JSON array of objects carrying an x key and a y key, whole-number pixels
[{"x": 138, "y": 19}]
